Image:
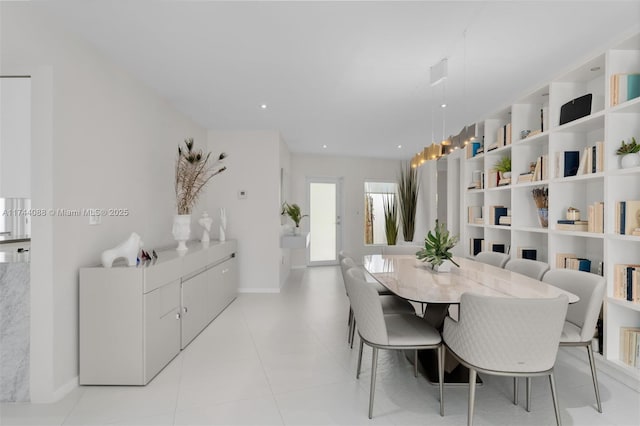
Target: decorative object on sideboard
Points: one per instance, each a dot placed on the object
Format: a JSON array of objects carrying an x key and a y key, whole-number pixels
[
  {"x": 295, "y": 213},
  {"x": 128, "y": 249},
  {"x": 390, "y": 207},
  {"x": 573, "y": 213},
  {"x": 437, "y": 248},
  {"x": 408, "y": 188},
  {"x": 205, "y": 221},
  {"x": 223, "y": 224},
  {"x": 194, "y": 169},
  {"x": 541, "y": 199},
  {"x": 629, "y": 154},
  {"x": 524, "y": 133}
]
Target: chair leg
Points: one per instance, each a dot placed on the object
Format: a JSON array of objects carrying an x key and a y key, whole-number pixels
[
  {"x": 415, "y": 363},
  {"x": 441, "y": 376},
  {"x": 472, "y": 395},
  {"x": 515, "y": 391},
  {"x": 350, "y": 315},
  {"x": 374, "y": 369},
  {"x": 528, "y": 407},
  {"x": 353, "y": 331},
  {"x": 350, "y": 332},
  {"x": 556, "y": 408},
  {"x": 594, "y": 376},
  {"x": 359, "y": 359}
]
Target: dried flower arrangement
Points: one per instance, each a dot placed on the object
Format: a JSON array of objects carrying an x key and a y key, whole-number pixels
[
  {"x": 193, "y": 171},
  {"x": 541, "y": 197}
]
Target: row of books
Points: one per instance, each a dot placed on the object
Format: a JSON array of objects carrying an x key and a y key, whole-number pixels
[
  {"x": 624, "y": 87},
  {"x": 595, "y": 217},
  {"x": 592, "y": 159},
  {"x": 496, "y": 213},
  {"x": 630, "y": 346},
  {"x": 567, "y": 163},
  {"x": 572, "y": 225},
  {"x": 472, "y": 149},
  {"x": 504, "y": 135},
  {"x": 627, "y": 218},
  {"x": 571, "y": 261},
  {"x": 625, "y": 282},
  {"x": 476, "y": 245},
  {"x": 527, "y": 253}
]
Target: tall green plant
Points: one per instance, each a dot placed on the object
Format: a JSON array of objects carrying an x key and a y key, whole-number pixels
[
  {"x": 390, "y": 218},
  {"x": 408, "y": 187}
]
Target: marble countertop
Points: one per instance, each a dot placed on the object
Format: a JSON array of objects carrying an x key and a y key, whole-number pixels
[{"x": 6, "y": 239}]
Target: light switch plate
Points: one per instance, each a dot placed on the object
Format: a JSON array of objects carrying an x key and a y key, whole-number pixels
[{"x": 242, "y": 194}]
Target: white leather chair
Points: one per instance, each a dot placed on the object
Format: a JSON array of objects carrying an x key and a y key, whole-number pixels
[
  {"x": 395, "y": 331},
  {"x": 379, "y": 287},
  {"x": 391, "y": 304},
  {"x": 492, "y": 258},
  {"x": 530, "y": 268},
  {"x": 507, "y": 337},
  {"x": 582, "y": 316}
]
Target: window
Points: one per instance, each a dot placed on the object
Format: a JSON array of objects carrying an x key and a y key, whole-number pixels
[{"x": 374, "y": 196}]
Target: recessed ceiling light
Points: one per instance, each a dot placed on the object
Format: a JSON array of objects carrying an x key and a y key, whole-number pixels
[
  {"x": 263, "y": 106},
  {"x": 594, "y": 69},
  {"x": 399, "y": 146},
  {"x": 443, "y": 105},
  {"x": 324, "y": 146}
]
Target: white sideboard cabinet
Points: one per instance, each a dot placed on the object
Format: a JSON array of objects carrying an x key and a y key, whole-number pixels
[{"x": 135, "y": 320}]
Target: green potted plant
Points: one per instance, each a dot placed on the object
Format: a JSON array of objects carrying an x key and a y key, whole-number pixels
[
  {"x": 408, "y": 187},
  {"x": 295, "y": 213},
  {"x": 629, "y": 154},
  {"x": 437, "y": 248},
  {"x": 194, "y": 169},
  {"x": 390, "y": 219},
  {"x": 503, "y": 166}
]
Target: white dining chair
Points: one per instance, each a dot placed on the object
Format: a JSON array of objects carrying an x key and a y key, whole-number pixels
[
  {"x": 582, "y": 316},
  {"x": 507, "y": 337},
  {"x": 492, "y": 258},
  {"x": 391, "y": 304},
  {"x": 530, "y": 268},
  {"x": 382, "y": 331}
]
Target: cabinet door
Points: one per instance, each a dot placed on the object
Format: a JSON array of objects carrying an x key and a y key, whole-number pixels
[
  {"x": 194, "y": 307},
  {"x": 223, "y": 286},
  {"x": 162, "y": 327}
]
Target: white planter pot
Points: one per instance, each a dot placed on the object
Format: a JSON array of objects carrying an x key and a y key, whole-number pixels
[
  {"x": 182, "y": 230},
  {"x": 630, "y": 160},
  {"x": 444, "y": 267}
]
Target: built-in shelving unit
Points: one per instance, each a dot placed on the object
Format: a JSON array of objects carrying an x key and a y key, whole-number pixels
[{"x": 539, "y": 112}]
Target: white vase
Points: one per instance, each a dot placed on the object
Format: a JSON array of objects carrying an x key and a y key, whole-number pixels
[
  {"x": 443, "y": 267},
  {"x": 630, "y": 160},
  {"x": 182, "y": 230},
  {"x": 506, "y": 175}
]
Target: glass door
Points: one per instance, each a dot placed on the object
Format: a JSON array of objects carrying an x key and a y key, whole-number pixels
[{"x": 324, "y": 221}]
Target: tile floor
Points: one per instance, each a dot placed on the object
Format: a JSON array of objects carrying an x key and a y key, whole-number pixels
[{"x": 272, "y": 359}]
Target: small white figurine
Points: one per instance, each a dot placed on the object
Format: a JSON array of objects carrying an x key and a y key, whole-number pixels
[
  {"x": 205, "y": 221},
  {"x": 223, "y": 224},
  {"x": 128, "y": 249}
]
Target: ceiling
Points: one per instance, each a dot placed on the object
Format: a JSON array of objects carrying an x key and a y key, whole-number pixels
[{"x": 353, "y": 76}]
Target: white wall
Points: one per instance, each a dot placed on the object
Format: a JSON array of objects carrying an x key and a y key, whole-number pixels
[
  {"x": 15, "y": 137},
  {"x": 253, "y": 165},
  {"x": 99, "y": 139},
  {"x": 354, "y": 171},
  {"x": 285, "y": 189}
]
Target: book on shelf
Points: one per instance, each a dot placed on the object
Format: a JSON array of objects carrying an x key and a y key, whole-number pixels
[
  {"x": 572, "y": 225},
  {"x": 473, "y": 213},
  {"x": 592, "y": 159},
  {"x": 499, "y": 247},
  {"x": 541, "y": 169},
  {"x": 627, "y": 217},
  {"x": 471, "y": 149},
  {"x": 630, "y": 346},
  {"x": 624, "y": 87},
  {"x": 525, "y": 177},
  {"x": 567, "y": 163},
  {"x": 492, "y": 179},
  {"x": 504, "y": 135},
  {"x": 476, "y": 245},
  {"x": 495, "y": 212},
  {"x": 595, "y": 217},
  {"x": 504, "y": 220},
  {"x": 527, "y": 253},
  {"x": 504, "y": 182},
  {"x": 626, "y": 278},
  {"x": 571, "y": 261}
]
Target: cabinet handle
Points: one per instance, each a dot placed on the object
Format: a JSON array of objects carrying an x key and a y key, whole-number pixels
[
  {"x": 178, "y": 316},
  {"x": 185, "y": 309}
]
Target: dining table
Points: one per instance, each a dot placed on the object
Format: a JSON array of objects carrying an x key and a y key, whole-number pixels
[{"x": 416, "y": 281}]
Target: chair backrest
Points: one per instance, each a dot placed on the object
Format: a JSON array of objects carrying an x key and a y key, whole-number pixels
[
  {"x": 590, "y": 288},
  {"x": 401, "y": 249},
  {"x": 343, "y": 254},
  {"x": 492, "y": 258},
  {"x": 507, "y": 334},
  {"x": 367, "y": 308},
  {"x": 530, "y": 268}
]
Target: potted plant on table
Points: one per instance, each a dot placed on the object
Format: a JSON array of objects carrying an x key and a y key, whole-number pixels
[
  {"x": 194, "y": 169},
  {"x": 295, "y": 213},
  {"x": 437, "y": 248},
  {"x": 629, "y": 154}
]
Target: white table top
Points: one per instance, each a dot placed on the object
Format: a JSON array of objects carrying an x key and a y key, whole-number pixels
[{"x": 414, "y": 280}]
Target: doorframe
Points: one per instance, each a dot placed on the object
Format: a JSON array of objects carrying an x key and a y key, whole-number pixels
[{"x": 338, "y": 181}]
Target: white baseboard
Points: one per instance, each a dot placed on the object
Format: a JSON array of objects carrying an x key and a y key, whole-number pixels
[
  {"x": 299, "y": 267},
  {"x": 64, "y": 390},
  {"x": 258, "y": 290}
]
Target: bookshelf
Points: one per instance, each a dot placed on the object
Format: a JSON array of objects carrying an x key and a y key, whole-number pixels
[{"x": 599, "y": 135}]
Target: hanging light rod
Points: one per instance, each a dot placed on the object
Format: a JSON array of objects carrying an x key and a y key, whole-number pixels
[{"x": 439, "y": 72}]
